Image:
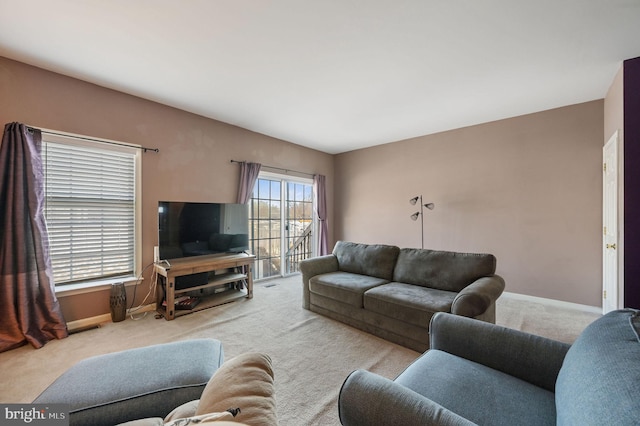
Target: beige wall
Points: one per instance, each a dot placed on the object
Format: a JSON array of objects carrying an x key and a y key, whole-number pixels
[
  {"x": 527, "y": 189},
  {"x": 195, "y": 152},
  {"x": 614, "y": 107}
]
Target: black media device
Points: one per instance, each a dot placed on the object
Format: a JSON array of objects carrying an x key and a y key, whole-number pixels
[
  {"x": 193, "y": 280},
  {"x": 195, "y": 229}
]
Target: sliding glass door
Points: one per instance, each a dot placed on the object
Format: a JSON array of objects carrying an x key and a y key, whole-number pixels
[
  {"x": 265, "y": 228},
  {"x": 281, "y": 224},
  {"x": 298, "y": 224}
]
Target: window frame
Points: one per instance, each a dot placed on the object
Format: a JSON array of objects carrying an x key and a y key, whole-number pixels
[{"x": 88, "y": 142}]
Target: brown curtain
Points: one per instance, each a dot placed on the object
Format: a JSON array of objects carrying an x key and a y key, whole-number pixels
[
  {"x": 248, "y": 175},
  {"x": 319, "y": 189},
  {"x": 30, "y": 310}
]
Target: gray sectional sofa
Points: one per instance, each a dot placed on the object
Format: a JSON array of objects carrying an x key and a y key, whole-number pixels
[
  {"x": 174, "y": 383},
  {"x": 393, "y": 292},
  {"x": 143, "y": 382},
  {"x": 484, "y": 374}
]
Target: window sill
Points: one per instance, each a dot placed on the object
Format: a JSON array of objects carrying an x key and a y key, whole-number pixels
[{"x": 92, "y": 286}]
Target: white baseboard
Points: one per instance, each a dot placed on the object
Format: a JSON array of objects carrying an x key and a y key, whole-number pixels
[
  {"x": 142, "y": 309},
  {"x": 553, "y": 302},
  {"x": 90, "y": 322},
  {"x": 97, "y": 320}
]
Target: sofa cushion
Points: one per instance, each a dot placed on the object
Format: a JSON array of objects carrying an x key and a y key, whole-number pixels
[
  {"x": 344, "y": 286},
  {"x": 409, "y": 303},
  {"x": 219, "y": 242},
  {"x": 245, "y": 382},
  {"x": 148, "y": 381},
  {"x": 478, "y": 393},
  {"x": 195, "y": 248},
  {"x": 224, "y": 418},
  {"x": 366, "y": 259},
  {"x": 188, "y": 409},
  {"x": 600, "y": 374},
  {"x": 443, "y": 270},
  {"x": 239, "y": 242}
]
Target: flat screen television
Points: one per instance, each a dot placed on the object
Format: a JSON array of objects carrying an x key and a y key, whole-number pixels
[{"x": 195, "y": 229}]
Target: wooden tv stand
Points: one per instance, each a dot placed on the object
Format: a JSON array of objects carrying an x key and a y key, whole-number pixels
[{"x": 227, "y": 268}]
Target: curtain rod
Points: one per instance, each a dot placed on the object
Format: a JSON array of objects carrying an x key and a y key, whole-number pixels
[
  {"x": 87, "y": 138},
  {"x": 278, "y": 168}
]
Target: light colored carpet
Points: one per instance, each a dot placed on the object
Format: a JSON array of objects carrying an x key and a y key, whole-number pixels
[
  {"x": 551, "y": 320},
  {"x": 312, "y": 355}
]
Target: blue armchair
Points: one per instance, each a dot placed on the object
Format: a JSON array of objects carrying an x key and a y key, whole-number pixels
[{"x": 480, "y": 373}]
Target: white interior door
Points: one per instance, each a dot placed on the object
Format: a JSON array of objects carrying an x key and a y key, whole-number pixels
[{"x": 610, "y": 247}]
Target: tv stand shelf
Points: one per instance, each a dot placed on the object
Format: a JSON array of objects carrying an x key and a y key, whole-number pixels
[{"x": 234, "y": 268}]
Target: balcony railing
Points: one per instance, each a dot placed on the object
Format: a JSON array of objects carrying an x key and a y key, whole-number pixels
[{"x": 299, "y": 250}]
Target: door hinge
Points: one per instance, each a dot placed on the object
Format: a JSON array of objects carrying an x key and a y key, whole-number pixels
[
  {"x": 604, "y": 167},
  {"x": 604, "y": 294},
  {"x": 604, "y": 229}
]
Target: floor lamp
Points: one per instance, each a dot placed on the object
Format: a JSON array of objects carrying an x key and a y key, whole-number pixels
[{"x": 414, "y": 216}]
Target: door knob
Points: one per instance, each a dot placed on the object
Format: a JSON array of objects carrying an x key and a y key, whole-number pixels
[{"x": 611, "y": 246}]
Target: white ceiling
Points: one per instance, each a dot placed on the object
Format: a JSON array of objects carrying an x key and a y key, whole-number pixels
[{"x": 334, "y": 75}]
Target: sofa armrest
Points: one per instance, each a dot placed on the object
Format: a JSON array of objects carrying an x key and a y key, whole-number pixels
[
  {"x": 312, "y": 267},
  {"x": 477, "y": 297},
  {"x": 369, "y": 399},
  {"x": 532, "y": 358}
]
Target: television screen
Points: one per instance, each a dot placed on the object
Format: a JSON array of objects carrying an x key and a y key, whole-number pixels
[{"x": 195, "y": 229}]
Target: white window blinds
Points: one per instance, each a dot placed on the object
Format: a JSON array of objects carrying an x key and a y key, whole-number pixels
[{"x": 90, "y": 210}]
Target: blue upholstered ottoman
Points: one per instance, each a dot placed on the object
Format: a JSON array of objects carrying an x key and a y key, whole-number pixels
[{"x": 137, "y": 383}]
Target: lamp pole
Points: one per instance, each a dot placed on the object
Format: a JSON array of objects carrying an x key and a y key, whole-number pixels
[
  {"x": 414, "y": 216},
  {"x": 421, "y": 224}
]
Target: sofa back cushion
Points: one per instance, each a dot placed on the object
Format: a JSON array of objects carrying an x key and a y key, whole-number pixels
[
  {"x": 376, "y": 260},
  {"x": 443, "y": 270},
  {"x": 598, "y": 381},
  {"x": 239, "y": 242},
  {"x": 219, "y": 242}
]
